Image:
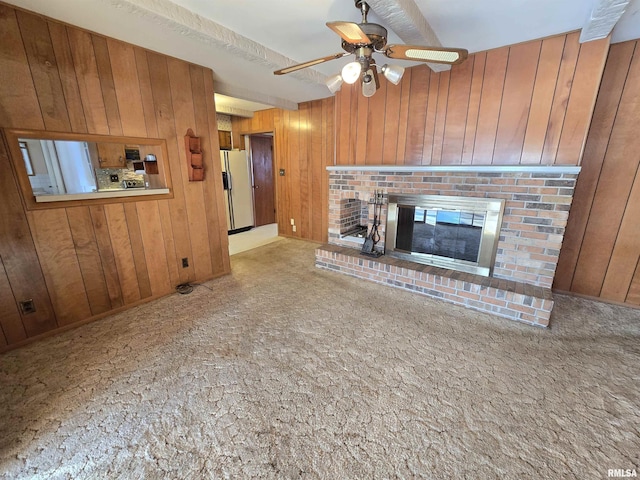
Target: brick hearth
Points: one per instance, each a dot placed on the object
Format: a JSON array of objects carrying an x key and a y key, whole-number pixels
[{"x": 537, "y": 201}]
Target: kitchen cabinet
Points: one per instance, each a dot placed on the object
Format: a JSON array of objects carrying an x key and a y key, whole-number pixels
[
  {"x": 225, "y": 140},
  {"x": 111, "y": 155}
]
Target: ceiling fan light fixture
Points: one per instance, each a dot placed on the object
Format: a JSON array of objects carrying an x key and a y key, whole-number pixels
[
  {"x": 393, "y": 73},
  {"x": 369, "y": 85},
  {"x": 334, "y": 83},
  {"x": 440, "y": 56},
  {"x": 351, "y": 72}
]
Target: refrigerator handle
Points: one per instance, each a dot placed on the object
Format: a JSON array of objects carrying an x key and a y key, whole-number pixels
[{"x": 229, "y": 181}]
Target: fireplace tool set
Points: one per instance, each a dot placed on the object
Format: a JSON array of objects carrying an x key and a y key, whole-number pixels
[{"x": 368, "y": 248}]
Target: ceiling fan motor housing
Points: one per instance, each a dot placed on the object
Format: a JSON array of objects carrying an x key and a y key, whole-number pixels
[{"x": 376, "y": 33}]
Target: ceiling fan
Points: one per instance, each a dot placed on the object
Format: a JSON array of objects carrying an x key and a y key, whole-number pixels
[{"x": 363, "y": 40}]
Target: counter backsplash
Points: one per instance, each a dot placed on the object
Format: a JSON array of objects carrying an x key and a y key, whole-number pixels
[{"x": 103, "y": 177}]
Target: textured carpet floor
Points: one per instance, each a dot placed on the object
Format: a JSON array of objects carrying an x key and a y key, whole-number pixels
[{"x": 285, "y": 371}]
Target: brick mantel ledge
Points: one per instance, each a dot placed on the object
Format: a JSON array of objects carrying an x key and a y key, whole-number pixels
[{"x": 458, "y": 168}]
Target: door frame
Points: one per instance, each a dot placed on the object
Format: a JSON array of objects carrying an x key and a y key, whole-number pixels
[{"x": 247, "y": 143}]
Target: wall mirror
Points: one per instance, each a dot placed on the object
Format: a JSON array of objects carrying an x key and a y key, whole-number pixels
[{"x": 64, "y": 167}]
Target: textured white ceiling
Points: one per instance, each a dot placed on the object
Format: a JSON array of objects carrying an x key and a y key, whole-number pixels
[{"x": 243, "y": 41}]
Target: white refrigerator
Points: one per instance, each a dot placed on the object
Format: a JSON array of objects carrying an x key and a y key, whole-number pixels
[{"x": 238, "y": 192}]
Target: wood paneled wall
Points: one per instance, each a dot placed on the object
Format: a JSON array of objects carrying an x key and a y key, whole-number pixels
[
  {"x": 530, "y": 103},
  {"x": 601, "y": 250},
  {"x": 84, "y": 261},
  {"x": 303, "y": 147},
  {"x": 526, "y": 104}
]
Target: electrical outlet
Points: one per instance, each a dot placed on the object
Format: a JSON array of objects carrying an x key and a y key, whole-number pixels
[
  {"x": 185, "y": 262},
  {"x": 27, "y": 306},
  {"x": 294, "y": 228},
  {"x": 293, "y": 222}
]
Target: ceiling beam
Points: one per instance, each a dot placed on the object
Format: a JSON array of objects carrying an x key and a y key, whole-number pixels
[
  {"x": 208, "y": 32},
  {"x": 406, "y": 20},
  {"x": 603, "y": 18},
  {"x": 251, "y": 95}
]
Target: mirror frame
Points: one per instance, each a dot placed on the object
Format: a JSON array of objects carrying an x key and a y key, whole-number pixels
[{"x": 12, "y": 137}]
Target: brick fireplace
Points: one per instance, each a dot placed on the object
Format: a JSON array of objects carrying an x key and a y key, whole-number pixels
[{"x": 536, "y": 208}]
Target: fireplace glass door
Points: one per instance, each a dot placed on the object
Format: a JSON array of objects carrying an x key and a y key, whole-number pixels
[
  {"x": 447, "y": 233},
  {"x": 451, "y": 232}
]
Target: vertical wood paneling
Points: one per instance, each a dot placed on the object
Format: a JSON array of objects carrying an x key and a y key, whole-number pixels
[
  {"x": 475, "y": 93},
  {"x": 328, "y": 126},
  {"x": 20, "y": 107},
  {"x": 561, "y": 98},
  {"x": 109, "y": 96},
  {"x": 375, "y": 125},
  {"x": 430, "y": 119},
  {"x": 214, "y": 192},
  {"x": 86, "y": 246},
  {"x": 122, "y": 252},
  {"x": 391, "y": 124},
  {"x": 44, "y": 70},
  {"x": 441, "y": 117},
  {"x": 604, "y": 116},
  {"x": 84, "y": 61},
  {"x": 490, "y": 103},
  {"x": 146, "y": 95},
  {"x": 161, "y": 88},
  {"x": 419, "y": 97},
  {"x": 10, "y": 322},
  {"x": 361, "y": 133},
  {"x": 19, "y": 257},
  {"x": 544, "y": 88},
  {"x": 137, "y": 249},
  {"x": 584, "y": 89},
  {"x": 607, "y": 224},
  {"x": 303, "y": 162},
  {"x": 103, "y": 240},
  {"x": 68, "y": 79},
  {"x": 294, "y": 168},
  {"x": 403, "y": 119},
  {"x": 633, "y": 295},
  {"x": 626, "y": 251},
  {"x": 212, "y": 166},
  {"x": 316, "y": 172},
  {"x": 343, "y": 99},
  {"x": 127, "y": 88},
  {"x": 182, "y": 98},
  {"x": 169, "y": 242},
  {"x": 457, "y": 111},
  {"x": 154, "y": 248},
  {"x": 516, "y": 102},
  {"x": 57, "y": 255}
]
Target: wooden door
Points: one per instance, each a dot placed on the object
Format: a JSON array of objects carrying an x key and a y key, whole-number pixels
[{"x": 263, "y": 188}]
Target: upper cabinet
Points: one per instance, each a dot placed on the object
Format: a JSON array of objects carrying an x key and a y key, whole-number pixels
[
  {"x": 111, "y": 155},
  {"x": 225, "y": 140}
]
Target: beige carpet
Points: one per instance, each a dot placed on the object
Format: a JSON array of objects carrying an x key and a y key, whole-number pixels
[{"x": 285, "y": 371}]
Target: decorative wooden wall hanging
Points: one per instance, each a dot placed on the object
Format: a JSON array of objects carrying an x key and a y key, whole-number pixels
[{"x": 194, "y": 156}]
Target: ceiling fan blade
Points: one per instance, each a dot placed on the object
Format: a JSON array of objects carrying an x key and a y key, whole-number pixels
[
  {"x": 310, "y": 63},
  {"x": 451, "y": 56},
  {"x": 350, "y": 32}
]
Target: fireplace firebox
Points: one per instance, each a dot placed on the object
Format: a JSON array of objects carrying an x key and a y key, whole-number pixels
[{"x": 457, "y": 233}]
